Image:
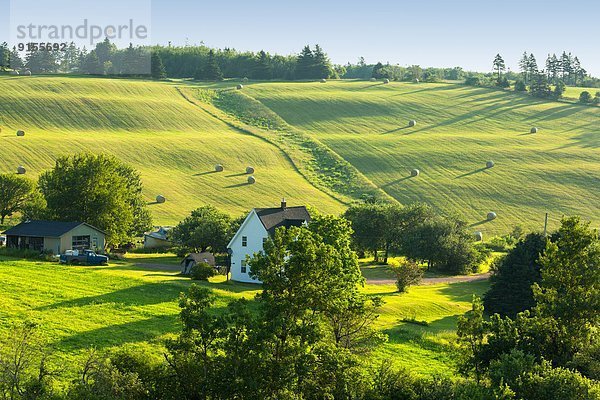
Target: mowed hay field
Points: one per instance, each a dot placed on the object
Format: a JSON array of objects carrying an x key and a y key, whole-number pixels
[
  {"x": 132, "y": 304},
  {"x": 458, "y": 129},
  {"x": 174, "y": 144}
]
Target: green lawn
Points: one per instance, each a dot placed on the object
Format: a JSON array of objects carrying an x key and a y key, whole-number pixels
[
  {"x": 127, "y": 304},
  {"x": 574, "y": 92}
]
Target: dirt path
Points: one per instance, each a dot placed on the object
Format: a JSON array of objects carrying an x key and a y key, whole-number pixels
[{"x": 436, "y": 281}]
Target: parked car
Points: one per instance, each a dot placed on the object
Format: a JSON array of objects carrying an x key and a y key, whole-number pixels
[{"x": 86, "y": 257}]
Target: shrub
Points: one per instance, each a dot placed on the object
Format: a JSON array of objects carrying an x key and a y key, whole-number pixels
[
  {"x": 408, "y": 273},
  {"x": 596, "y": 98},
  {"x": 559, "y": 90},
  {"x": 585, "y": 97},
  {"x": 520, "y": 86},
  {"x": 503, "y": 82},
  {"x": 473, "y": 81},
  {"x": 558, "y": 384},
  {"x": 202, "y": 271}
]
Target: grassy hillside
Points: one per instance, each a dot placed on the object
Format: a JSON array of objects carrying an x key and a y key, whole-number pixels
[
  {"x": 174, "y": 144},
  {"x": 127, "y": 303},
  {"x": 458, "y": 129}
]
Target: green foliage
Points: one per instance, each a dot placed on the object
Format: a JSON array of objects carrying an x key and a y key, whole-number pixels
[
  {"x": 570, "y": 288},
  {"x": 520, "y": 86},
  {"x": 15, "y": 193},
  {"x": 24, "y": 369},
  {"x": 206, "y": 228},
  {"x": 513, "y": 275},
  {"x": 202, "y": 271},
  {"x": 471, "y": 333},
  {"x": 158, "y": 70},
  {"x": 99, "y": 190},
  {"x": 408, "y": 273},
  {"x": 559, "y": 90},
  {"x": 211, "y": 70},
  {"x": 585, "y": 97},
  {"x": 473, "y": 80},
  {"x": 539, "y": 86},
  {"x": 503, "y": 82}
]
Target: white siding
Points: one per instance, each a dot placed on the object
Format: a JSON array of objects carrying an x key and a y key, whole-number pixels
[{"x": 254, "y": 232}]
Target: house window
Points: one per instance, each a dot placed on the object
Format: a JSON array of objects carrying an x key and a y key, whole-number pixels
[
  {"x": 244, "y": 241},
  {"x": 244, "y": 265},
  {"x": 80, "y": 242}
]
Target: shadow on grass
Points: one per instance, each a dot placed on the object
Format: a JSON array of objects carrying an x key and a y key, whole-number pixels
[
  {"x": 474, "y": 224},
  {"x": 151, "y": 203},
  {"x": 140, "y": 295},
  {"x": 206, "y": 173},
  {"x": 235, "y": 175},
  {"x": 396, "y": 181},
  {"x": 237, "y": 185},
  {"x": 478, "y": 170},
  {"x": 119, "y": 334},
  {"x": 396, "y": 130},
  {"x": 464, "y": 291}
]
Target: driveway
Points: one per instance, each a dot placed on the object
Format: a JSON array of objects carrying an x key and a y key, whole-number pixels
[{"x": 436, "y": 281}]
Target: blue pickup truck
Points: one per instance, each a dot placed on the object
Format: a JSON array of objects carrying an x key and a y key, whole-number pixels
[{"x": 85, "y": 257}]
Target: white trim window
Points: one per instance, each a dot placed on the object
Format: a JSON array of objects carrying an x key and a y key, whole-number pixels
[
  {"x": 244, "y": 241},
  {"x": 244, "y": 267}
]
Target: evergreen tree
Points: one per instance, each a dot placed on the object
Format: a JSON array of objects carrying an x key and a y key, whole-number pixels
[
  {"x": 524, "y": 67},
  {"x": 510, "y": 290},
  {"x": 4, "y": 56},
  {"x": 262, "y": 69},
  {"x": 322, "y": 65},
  {"x": 157, "y": 68},
  {"x": 305, "y": 63},
  {"x": 539, "y": 86},
  {"x": 91, "y": 64},
  {"x": 41, "y": 62},
  {"x": 532, "y": 65},
  {"x": 499, "y": 65},
  {"x": 565, "y": 66},
  {"x": 378, "y": 71},
  {"x": 16, "y": 62},
  {"x": 211, "y": 70}
]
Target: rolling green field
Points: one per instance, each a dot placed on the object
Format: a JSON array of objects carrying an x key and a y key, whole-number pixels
[
  {"x": 173, "y": 144},
  {"x": 131, "y": 304},
  {"x": 458, "y": 129},
  {"x": 174, "y": 140}
]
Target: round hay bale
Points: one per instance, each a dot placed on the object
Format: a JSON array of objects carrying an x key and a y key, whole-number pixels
[
  {"x": 534, "y": 130},
  {"x": 373, "y": 79},
  {"x": 160, "y": 199},
  {"x": 239, "y": 87},
  {"x": 219, "y": 168},
  {"x": 386, "y": 81},
  {"x": 20, "y": 133},
  {"x": 415, "y": 172},
  {"x": 323, "y": 80},
  {"x": 15, "y": 72},
  {"x": 251, "y": 180},
  {"x": 478, "y": 236},
  {"x": 412, "y": 123},
  {"x": 27, "y": 73},
  {"x": 491, "y": 216},
  {"x": 489, "y": 164},
  {"x": 21, "y": 170},
  {"x": 249, "y": 170},
  {"x": 245, "y": 80}
]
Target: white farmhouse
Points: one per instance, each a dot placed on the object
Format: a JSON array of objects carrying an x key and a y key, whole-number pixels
[{"x": 254, "y": 231}]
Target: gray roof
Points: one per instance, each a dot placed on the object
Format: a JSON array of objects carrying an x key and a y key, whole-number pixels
[
  {"x": 44, "y": 228},
  {"x": 273, "y": 218}
]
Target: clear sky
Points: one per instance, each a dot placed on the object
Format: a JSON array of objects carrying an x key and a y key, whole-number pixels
[{"x": 440, "y": 33}]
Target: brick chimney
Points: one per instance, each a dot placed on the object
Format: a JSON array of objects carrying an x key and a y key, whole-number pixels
[{"x": 283, "y": 204}]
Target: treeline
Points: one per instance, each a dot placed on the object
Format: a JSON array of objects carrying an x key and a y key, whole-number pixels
[
  {"x": 199, "y": 62},
  {"x": 309, "y": 332}
]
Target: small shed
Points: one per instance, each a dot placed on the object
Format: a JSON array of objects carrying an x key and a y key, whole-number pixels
[
  {"x": 157, "y": 239},
  {"x": 196, "y": 258}
]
